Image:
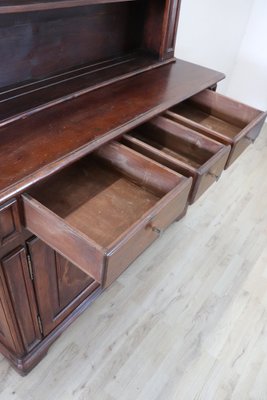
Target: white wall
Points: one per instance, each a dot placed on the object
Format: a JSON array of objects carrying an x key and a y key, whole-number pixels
[
  {"x": 248, "y": 80},
  {"x": 228, "y": 36}
]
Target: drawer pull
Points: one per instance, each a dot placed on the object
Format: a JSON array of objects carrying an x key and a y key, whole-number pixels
[
  {"x": 157, "y": 230},
  {"x": 216, "y": 177}
]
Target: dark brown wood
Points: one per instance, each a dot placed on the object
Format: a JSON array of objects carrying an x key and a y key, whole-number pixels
[
  {"x": 17, "y": 241},
  {"x": 10, "y": 225},
  {"x": 41, "y": 50},
  {"x": 75, "y": 76},
  {"x": 37, "y": 96},
  {"x": 15, "y": 269},
  {"x": 90, "y": 210},
  {"x": 184, "y": 150},
  {"x": 145, "y": 173},
  {"x": 213, "y": 87},
  {"x": 23, "y": 6},
  {"x": 35, "y": 46},
  {"x": 170, "y": 28},
  {"x": 161, "y": 27},
  {"x": 171, "y": 208},
  {"x": 25, "y": 363},
  {"x": 222, "y": 119},
  {"x": 64, "y": 54},
  {"x": 59, "y": 285},
  {"x": 67, "y": 240},
  {"x": 171, "y": 193},
  {"x": 9, "y": 332},
  {"x": 36, "y": 147}
]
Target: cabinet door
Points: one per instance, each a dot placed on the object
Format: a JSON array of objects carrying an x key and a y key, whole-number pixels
[
  {"x": 8, "y": 334},
  {"x": 17, "y": 290},
  {"x": 59, "y": 285}
]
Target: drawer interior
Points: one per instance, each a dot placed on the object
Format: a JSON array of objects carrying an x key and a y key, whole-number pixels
[
  {"x": 177, "y": 141},
  {"x": 105, "y": 193},
  {"x": 192, "y": 111},
  {"x": 216, "y": 112}
]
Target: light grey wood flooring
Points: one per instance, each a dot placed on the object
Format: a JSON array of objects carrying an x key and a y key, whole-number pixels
[{"x": 188, "y": 320}]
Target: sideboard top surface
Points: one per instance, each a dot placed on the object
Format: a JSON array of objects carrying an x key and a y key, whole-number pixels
[{"x": 34, "y": 147}]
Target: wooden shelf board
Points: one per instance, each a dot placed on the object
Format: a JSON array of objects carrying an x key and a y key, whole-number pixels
[
  {"x": 8, "y": 7},
  {"x": 22, "y": 100},
  {"x": 37, "y": 146}
]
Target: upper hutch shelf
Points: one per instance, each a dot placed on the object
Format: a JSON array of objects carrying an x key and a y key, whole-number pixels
[
  {"x": 67, "y": 50},
  {"x": 23, "y": 100},
  {"x": 8, "y": 7}
]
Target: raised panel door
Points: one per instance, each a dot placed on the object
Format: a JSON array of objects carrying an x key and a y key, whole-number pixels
[{"x": 59, "y": 285}]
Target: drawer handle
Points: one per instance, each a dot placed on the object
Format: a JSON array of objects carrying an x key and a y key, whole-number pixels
[
  {"x": 157, "y": 230},
  {"x": 217, "y": 177}
]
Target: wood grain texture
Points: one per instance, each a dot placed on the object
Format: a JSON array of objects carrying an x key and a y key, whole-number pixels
[
  {"x": 59, "y": 285},
  {"x": 103, "y": 206},
  {"x": 187, "y": 321},
  {"x": 221, "y": 118},
  {"x": 27, "y": 99},
  {"x": 65, "y": 239},
  {"x": 37, "y": 146},
  {"x": 10, "y": 7},
  {"x": 9, "y": 334},
  {"x": 55, "y": 55},
  {"x": 181, "y": 149},
  {"x": 103, "y": 221},
  {"x": 39, "y": 45},
  {"x": 21, "y": 292},
  {"x": 10, "y": 225},
  {"x": 161, "y": 27}
]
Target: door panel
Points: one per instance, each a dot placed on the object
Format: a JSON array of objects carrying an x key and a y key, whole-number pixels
[
  {"x": 6, "y": 335},
  {"x": 19, "y": 285},
  {"x": 60, "y": 286},
  {"x": 9, "y": 222}
]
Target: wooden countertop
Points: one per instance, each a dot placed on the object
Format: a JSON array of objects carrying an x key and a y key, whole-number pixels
[{"x": 35, "y": 147}]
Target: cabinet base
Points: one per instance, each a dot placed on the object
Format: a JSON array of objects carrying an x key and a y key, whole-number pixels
[{"x": 24, "y": 364}]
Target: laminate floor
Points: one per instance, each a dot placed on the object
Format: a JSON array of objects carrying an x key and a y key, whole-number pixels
[{"x": 188, "y": 320}]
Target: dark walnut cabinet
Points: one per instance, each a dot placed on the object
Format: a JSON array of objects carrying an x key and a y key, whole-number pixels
[
  {"x": 61, "y": 290},
  {"x": 106, "y": 139}
]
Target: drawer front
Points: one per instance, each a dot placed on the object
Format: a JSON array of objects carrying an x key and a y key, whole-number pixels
[
  {"x": 209, "y": 174},
  {"x": 108, "y": 220},
  {"x": 237, "y": 149},
  {"x": 63, "y": 238},
  {"x": 220, "y": 118},
  {"x": 10, "y": 225},
  {"x": 202, "y": 178},
  {"x": 254, "y": 131},
  {"x": 77, "y": 248},
  {"x": 163, "y": 139},
  {"x": 131, "y": 246},
  {"x": 241, "y": 143}
]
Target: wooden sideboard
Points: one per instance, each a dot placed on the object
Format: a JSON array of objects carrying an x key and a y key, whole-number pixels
[{"x": 106, "y": 139}]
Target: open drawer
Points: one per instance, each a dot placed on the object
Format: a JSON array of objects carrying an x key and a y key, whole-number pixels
[
  {"x": 104, "y": 210},
  {"x": 220, "y": 118},
  {"x": 181, "y": 149}
]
